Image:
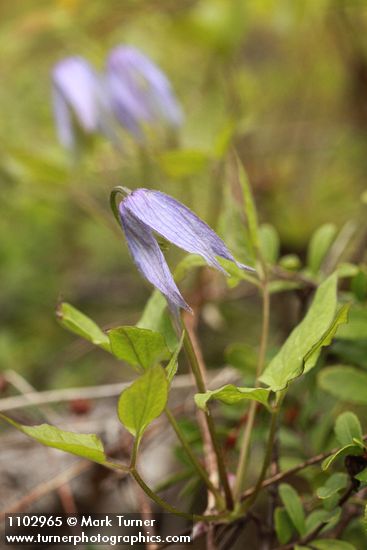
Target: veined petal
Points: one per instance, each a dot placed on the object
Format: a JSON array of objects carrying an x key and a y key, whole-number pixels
[
  {"x": 159, "y": 91},
  {"x": 179, "y": 225},
  {"x": 149, "y": 258},
  {"x": 124, "y": 104}
]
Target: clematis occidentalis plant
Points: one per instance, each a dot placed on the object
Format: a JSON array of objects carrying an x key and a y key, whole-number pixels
[{"x": 144, "y": 212}]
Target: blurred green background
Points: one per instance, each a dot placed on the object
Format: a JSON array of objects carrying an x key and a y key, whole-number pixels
[{"x": 283, "y": 81}]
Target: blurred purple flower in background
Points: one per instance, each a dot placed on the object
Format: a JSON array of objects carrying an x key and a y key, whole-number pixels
[
  {"x": 78, "y": 98},
  {"x": 139, "y": 91},
  {"x": 133, "y": 91},
  {"x": 144, "y": 211}
]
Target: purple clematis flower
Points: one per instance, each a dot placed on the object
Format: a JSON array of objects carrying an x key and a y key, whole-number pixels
[
  {"x": 78, "y": 96},
  {"x": 139, "y": 91},
  {"x": 146, "y": 211}
]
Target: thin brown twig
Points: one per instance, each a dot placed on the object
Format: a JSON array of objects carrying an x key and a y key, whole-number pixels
[
  {"x": 88, "y": 392},
  {"x": 47, "y": 487},
  {"x": 283, "y": 475},
  {"x": 273, "y": 498},
  {"x": 349, "y": 514},
  {"x": 27, "y": 391}
]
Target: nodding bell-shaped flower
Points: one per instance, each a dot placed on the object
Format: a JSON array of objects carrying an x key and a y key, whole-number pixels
[
  {"x": 139, "y": 91},
  {"x": 78, "y": 98},
  {"x": 145, "y": 212}
]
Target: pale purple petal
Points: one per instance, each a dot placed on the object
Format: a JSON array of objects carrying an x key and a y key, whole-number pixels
[
  {"x": 128, "y": 82},
  {"x": 140, "y": 87},
  {"x": 179, "y": 225},
  {"x": 159, "y": 91},
  {"x": 80, "y": 95},
  {"x": 125, "y": 105},
  {"x": 149, "y": 258},
  {"x": 75, "y": 80},
  {"x": 64, "y": 123}
]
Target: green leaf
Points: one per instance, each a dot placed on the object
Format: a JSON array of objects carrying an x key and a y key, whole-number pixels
[
  {"x": 181, "y": 163},
  {"x": 346, "y": 270},
  {"x": 359, "y": 285},
  {"x": 231, "y": 394},
  {"x": 331, "y": 544},
  {"x": 357, "y": 325},
  {"x": 78, "y": 323},
  {"x": 351, "y": 449},
  {"x": 362, "y": 476},
  {"x": 236, "y": 273},
  {"x": 346, "y": 383},
  {"x": 321, "y": 515},
  {"x": 223, "y": 139},
  {"x": 333, "y": 485},
  {"x": 319, "y": 246},
  {"x": 331, "y": 503},
  {"x": 232, "y": 227},
  {"x": 348, "y": 428},
  {"x": 293, "y": 505},
  {"x": 283, "y": 286},
  {"x": 155, "y": 317},
  {"x": 187, "y": 264},
  {"x": 249, "y": 206},
  {"x": 143, "y": 401},
  {"x": 283, "y": 525},
  {"x": 340, "y": 318},
  {"x": 300, "y": 351},
  {"x": 138, "y": 346},
  {"x": 290, "y": 262},
  {"x": 39, "y": 167},
  {"x": 172, "y": 366},
  {"x": 269, "y": 243},
  {"x": 85, "y": 445}
]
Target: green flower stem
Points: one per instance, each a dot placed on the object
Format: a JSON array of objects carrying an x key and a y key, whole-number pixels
[
  {"x": 134, "y": 454},
  {"x": 245, "y": 445},
  {"x": 118, "y": 190},
  {"x": 166, "y": 506},
  {"x": 194, "y": 461},
  {"x": 191, "y": 356},
  {"x": 268, "y": 454},
  {"x": 242, "y": 463}
]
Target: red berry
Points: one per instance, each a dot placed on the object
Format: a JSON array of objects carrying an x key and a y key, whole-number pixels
[{"x": 80, "y": 406}]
